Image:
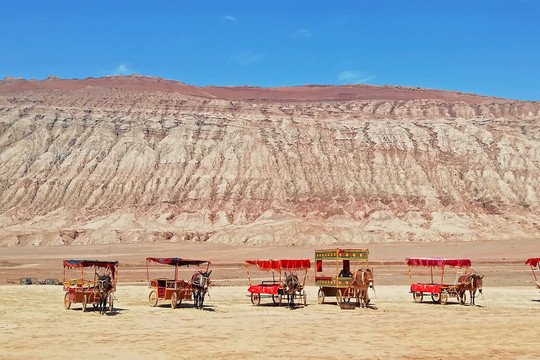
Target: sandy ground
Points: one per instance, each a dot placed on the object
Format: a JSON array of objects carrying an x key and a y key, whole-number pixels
[
  {"x": 35, "y": 325},
  {"x": 504, "y": 325}
]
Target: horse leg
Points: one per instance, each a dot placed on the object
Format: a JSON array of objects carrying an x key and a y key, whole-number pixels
[{"x": 201, "y": 300}]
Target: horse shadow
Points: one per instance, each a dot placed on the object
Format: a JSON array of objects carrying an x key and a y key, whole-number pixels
[{"x": 114, "y": 312}]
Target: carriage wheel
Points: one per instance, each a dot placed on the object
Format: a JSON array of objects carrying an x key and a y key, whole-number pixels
[
  {"x": 84, "y": 303},
  {"x": 174, "y": 299},
  {"x": 152, "y": 298},
  {"x": 277, "y": 298},
  {"x": 436, "y": 297},
  {"x": 339, "y": 297},
  {"x": 417, "y": 296},
  {"x": 67, "y": 302},
  {"x": 111, "y": 306},
  {"x": 255, "y": 299},
  {"x": 320, "y": 296},
  {"x": 444, "y": 297}
]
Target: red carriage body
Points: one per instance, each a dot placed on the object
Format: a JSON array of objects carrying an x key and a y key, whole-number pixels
[
  {"x": 275, "y": 287},
  {"x": 440, "y": 292}
]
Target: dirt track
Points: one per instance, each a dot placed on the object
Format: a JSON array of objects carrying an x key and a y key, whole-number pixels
[{"x": 35, "y": 325}]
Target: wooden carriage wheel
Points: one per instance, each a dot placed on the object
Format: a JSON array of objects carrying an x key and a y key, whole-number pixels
[
  {"x": 339, "y": 297},
  {"x": 444, "y": 297},
  {"x": 174, "y": 299},
  {"x": 436, "y": 297},
  {"x": 84, "y": 303},
  {"x": 67, "y": 302},
  {"x": 277, "y": 298},
  {"x": 320, "y": 296},
  {"x": 417, "y": 296},
  {"x": 152, "y": 298},
  {"x": 255, "y": 299}
]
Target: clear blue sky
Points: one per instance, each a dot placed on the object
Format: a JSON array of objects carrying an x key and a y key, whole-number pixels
[{"x": 485, "y": 47}]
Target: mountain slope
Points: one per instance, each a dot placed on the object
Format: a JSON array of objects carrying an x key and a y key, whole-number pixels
[{"x": 128, "y": 159}]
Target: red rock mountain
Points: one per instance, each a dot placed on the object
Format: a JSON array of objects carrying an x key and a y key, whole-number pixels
[{"x": 141, "y": 159}]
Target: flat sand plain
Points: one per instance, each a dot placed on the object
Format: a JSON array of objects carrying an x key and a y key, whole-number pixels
[{"x": 503, "y": 325}]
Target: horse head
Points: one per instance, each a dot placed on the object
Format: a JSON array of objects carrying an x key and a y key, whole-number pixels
[
  {"x": 478, "y": 282},
  {"x": 368, "y": 274},
  {"x": 104, "y": 283},
  {"x": 291, "y": 282},
  {"x": 201, "y": 279}
]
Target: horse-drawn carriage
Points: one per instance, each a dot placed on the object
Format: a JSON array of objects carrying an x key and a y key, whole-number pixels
[
  {"x": 334, "y": 277},
  {"x": 534, "y": 263},
  {"x": 441, "y": 292},
  {"x": 97, "y": 291},
  {"x": 175, "y": 290},
  {"x": 286, "y": 284}
]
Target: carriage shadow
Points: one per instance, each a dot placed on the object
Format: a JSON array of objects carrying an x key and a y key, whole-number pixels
[{"x": 536, "y": 300}]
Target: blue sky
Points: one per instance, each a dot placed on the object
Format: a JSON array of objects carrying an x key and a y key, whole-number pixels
[{"x": 485, "y": 47}]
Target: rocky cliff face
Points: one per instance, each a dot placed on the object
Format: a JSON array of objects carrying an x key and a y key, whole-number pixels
[{"x": 136, "y": 159}]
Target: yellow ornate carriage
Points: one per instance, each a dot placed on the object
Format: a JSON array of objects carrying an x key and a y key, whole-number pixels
[{"x": 333, "y": 272}]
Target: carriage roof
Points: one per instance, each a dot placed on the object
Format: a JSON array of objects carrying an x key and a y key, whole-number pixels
[
  {"x": 112, "y": 266},
  {"x": 281, "y": 264},
  {"x": 177, "y": 261},
  {"x": 342, "y": 254},
  {"x": 439, "y": 262},
  {"x": 533, "y": 261},
  {"x": 90, "y": 263}
]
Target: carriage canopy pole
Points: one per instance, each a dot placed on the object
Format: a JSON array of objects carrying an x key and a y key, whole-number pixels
[
  {"x": 534, "y": 274},
  {"x": 410, "y": 274},
  {"x": 247, "y": 270},
  {"x": 442, "y": 276}
]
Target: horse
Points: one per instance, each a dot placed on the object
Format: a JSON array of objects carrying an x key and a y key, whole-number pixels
[
  {"x": 104, "y": 288},
  {"x": 471, "y": 282},
  {"x": 362, "y": 280},
  {"x": 291, "y": 287},
  {"x": 200, "y": 282}
]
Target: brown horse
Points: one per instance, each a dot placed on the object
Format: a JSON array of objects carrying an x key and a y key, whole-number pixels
[
  {"x": 104, "y": 288},
  {"x": 291, "y": 287},
  {"x": 471, "y": 282},
  {"x": 200, "y": 282},
  {"x": 362, "y": 280}
]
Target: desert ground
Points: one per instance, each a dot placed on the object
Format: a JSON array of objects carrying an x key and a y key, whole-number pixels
[{"x": 502, "y": 325}]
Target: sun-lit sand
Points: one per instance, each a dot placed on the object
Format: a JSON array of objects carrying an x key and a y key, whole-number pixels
[{"x": 503, "y": 325}]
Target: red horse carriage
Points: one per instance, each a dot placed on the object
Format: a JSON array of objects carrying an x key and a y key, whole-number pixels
[
  {"x": 175, "y": 290},
  {"x": 534, "y": 263},
  {"x": 440, "y": 292},
  {"x": 84, "y": 291},
  {"x": 286, "y": 284}
]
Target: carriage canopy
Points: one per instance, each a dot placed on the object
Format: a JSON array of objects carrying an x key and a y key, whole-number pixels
[
  {"x": 533, "y": 261},
  {"x": 282, "y": 264},
  {"x": 439, "y": 262},
  {"x": 177, "y": 261},
  {"x": 79, "y": 264}
]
